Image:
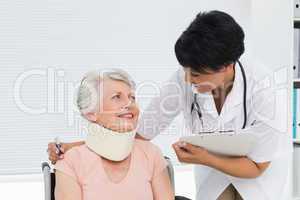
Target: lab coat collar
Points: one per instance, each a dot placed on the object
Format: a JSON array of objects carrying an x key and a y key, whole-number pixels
[
  {"x": 233, "y": 99},
  {"x": 235, "y": 96}
]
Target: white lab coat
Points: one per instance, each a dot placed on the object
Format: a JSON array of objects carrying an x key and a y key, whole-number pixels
[{"x": 176, "y": 96}]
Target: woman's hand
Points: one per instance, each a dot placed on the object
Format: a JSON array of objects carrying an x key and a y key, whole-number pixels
[{"x": 188, "y": 153}]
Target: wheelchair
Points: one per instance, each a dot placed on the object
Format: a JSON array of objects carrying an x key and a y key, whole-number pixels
[{"x": 49, "y": 180}]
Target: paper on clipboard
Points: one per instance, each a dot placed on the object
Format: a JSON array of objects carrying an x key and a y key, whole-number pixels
[{"x": 233, "y": 144}]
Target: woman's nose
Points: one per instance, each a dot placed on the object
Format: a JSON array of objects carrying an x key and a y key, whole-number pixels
[{"x": 128, "y": 104}]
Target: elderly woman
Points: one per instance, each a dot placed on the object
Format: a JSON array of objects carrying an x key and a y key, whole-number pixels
[{"x": 112, "y": 164}]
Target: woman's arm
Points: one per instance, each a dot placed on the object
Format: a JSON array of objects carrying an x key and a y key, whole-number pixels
[
  {"x": 161, "y": 186},
  {"x": 66, "y": 187}
]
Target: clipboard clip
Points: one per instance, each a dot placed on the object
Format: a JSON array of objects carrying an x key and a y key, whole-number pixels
[{"x": 216, "y": 132}]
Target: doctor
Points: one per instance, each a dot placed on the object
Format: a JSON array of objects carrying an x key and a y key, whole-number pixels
[{"x": 214, "y": 92}]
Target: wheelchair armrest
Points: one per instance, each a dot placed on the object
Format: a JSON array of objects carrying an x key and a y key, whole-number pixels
[
  {"x": 45, "y": 164},
  {"x": 181, "y": 198}
]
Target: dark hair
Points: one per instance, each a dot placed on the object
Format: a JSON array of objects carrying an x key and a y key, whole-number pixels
[{"x": 212, "y": 40}]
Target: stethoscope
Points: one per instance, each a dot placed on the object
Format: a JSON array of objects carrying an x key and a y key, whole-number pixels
[{"x": 195, "y": 106}]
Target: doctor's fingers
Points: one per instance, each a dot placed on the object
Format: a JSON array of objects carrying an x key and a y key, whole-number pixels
[
  {"x": 193, "y": 149},
  {"x": 54, "y": 157},
  {"x": 52, "y": 148},
  {"x": 52, "y": 153},
  {"x": 189, "y": 147},
  {"x": 182, "y": 155}
]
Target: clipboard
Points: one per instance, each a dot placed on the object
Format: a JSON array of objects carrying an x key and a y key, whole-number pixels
[{"x": 228, "y": 144}]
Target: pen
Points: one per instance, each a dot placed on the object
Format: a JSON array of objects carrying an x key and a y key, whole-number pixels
[{"x": 58, "y": 146}]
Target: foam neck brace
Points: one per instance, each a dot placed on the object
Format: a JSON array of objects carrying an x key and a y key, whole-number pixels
[{"x": 110, "y": 144}]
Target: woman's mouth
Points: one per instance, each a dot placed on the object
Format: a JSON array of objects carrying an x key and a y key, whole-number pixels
[{"x": 126, "y": 115}]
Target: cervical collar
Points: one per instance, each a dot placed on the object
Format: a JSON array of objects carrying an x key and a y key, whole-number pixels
[{"x": 109, "y": 144}]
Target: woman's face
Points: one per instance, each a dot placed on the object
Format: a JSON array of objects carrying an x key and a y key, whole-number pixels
[{"x": 117, "y": 110}]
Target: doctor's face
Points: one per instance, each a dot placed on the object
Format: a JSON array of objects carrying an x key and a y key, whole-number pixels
[{"x": 206, "y": 82}]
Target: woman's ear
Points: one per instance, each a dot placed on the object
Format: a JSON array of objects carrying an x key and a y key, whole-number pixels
[{"x": 91, "y": 117}]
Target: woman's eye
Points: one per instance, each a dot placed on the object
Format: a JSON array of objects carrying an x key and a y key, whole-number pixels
[
  {"x": 116, "y": 96},
  {"x": 133, "y": 98}
]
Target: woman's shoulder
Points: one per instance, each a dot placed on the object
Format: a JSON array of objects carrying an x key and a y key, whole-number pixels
[
  {"x": 146, "y": 145},
  {"x": 75, "y": 150},
  {"x": 80, "y": 154},
  {"x": 148, "y": 149},
  {"x": 150, "y": 157},
  {"x": 78, "y": 163}
]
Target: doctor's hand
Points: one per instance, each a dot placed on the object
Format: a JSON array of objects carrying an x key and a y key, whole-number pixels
[
  {"x": 189, "y": 153},
  {"x": 52, "y": 152}
]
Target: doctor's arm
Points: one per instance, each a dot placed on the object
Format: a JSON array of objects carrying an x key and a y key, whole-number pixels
[
  {"x": 256, "y": 162},
  {"x": 250, "y": 166},
  {"x": 54, "y": 157},
  {"x": 164, "y": 106},
  {"x": 242, "y": 167}
]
